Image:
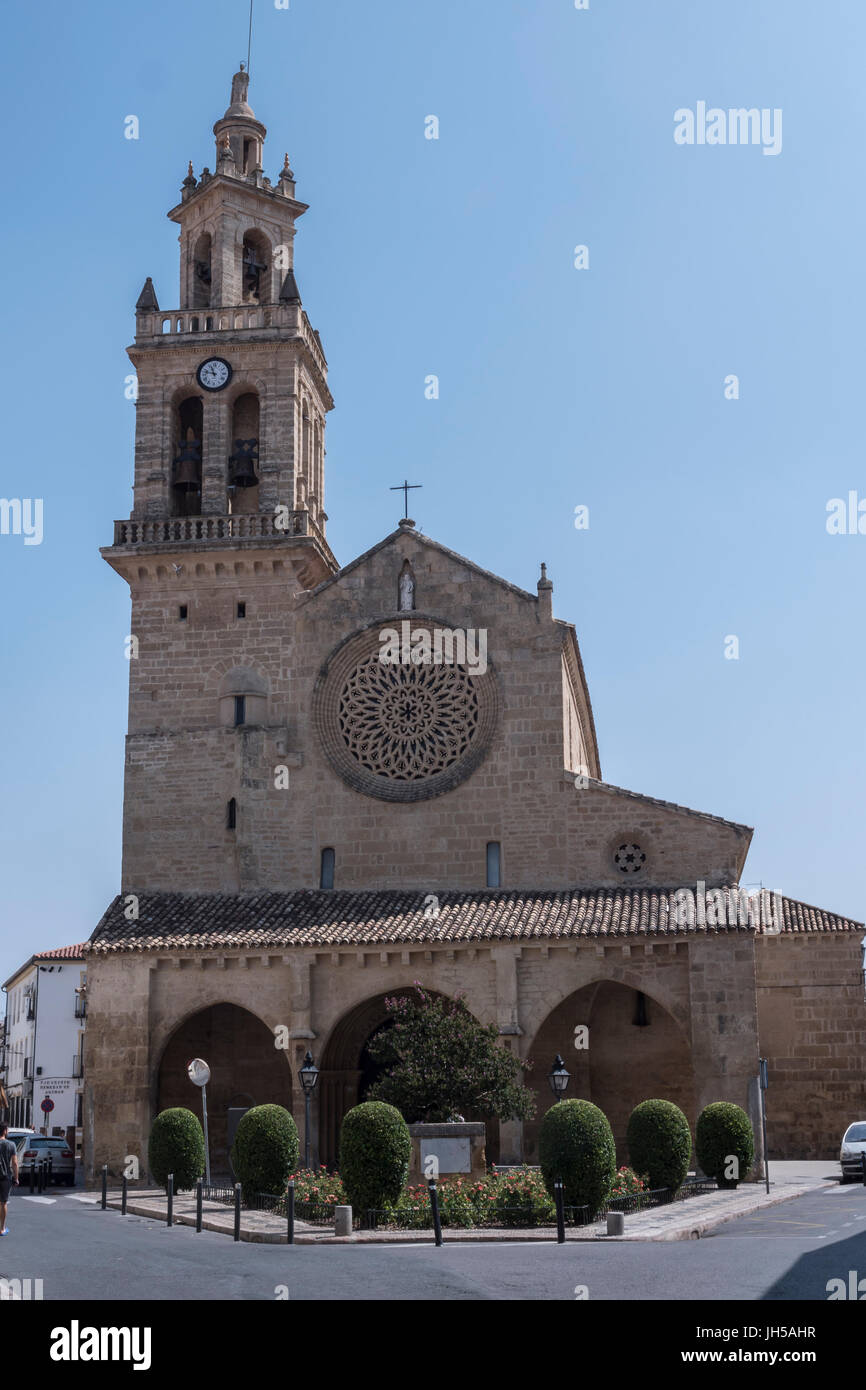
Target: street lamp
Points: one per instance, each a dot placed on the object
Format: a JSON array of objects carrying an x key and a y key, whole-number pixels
[
  {"x": 558, "y": 1077},
  {"x": 309, "y": 1075}
]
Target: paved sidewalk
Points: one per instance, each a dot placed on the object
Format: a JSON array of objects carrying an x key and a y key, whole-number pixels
[{"x": 685, "y": 1220}]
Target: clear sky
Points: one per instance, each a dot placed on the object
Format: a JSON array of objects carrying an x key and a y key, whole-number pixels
[{"x": 602, "y": 387}]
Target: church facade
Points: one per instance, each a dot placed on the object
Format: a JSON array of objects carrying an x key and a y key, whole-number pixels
[{"x": 341, "y": 781}]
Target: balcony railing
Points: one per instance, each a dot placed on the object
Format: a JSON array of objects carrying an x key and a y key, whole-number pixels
[
  {"x": 236, "y": 526},
  {"x": 253, "y": 320},
  {"x": 28, "y": 1068},
  {"x": 80, "y": 1006},
  {"x": 78, "y": 1064}
]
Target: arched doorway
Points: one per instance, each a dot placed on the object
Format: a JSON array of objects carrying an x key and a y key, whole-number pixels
[
  {"x": 636, "y": 1051},
  {"x": 347, "y": 1072},
  {"x": 246, "y": 1070}
]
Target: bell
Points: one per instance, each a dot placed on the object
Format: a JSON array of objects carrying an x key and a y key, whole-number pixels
[
  {"x": 187, "y": 465},
  {"x": 242, "y": 471}
]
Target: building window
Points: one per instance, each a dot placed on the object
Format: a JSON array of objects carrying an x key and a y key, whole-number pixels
[
  {"x": 629, "y": 858},
  {"x": 494, "y": 864},
  {"x": 242, "y": 610},
  {"x": 182, "y": 612},
  {"x": 240, "y": 710},
  {"x": 326, "y": 873},
  {"x": 232, "y": 815}
]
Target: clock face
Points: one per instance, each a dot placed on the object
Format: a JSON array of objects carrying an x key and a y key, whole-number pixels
[{"x": 214, "y": 374}]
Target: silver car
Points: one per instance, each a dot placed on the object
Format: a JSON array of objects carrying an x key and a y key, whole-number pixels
[
  {"x": 853, "y": 1147},
  {"x": 38, "y": 1147}
]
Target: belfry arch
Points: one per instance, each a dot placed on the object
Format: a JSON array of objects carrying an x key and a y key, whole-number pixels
[
  {"x": 636, "y": 1050},
  {"x": 246, "y": 1070}
]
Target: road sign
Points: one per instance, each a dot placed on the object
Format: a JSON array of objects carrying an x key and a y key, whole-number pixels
[
  {"x": 198, "y": 1072},
  {"x": 47, "y": 1106}
]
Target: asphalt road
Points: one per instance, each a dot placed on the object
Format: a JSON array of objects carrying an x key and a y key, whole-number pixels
[{"x": 82, "y": 1253}]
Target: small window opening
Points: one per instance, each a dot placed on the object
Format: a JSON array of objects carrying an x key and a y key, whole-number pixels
[
  {"x": 182, "y": 613},
  {"x": 326, "y": 875},
  {"x": 494, "y": 863},
  {"x": 240, "y": 710},
  {"x": 232, "y": 815},
  {"x": 242, "y": 610}
]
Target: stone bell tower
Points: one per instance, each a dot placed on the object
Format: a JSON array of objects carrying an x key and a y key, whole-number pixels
[
  {"x": 232, "y": 385},
  {"x": 228, "y": 521}
]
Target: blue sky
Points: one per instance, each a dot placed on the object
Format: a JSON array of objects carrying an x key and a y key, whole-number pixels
[{"x": 559, "y": 387}]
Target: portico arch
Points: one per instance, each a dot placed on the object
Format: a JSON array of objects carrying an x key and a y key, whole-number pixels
[
  {"x": 637, "y": 1050},
  {"x": 246, "y": 1069}
]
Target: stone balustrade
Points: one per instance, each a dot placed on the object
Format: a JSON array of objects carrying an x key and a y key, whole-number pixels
[{"x": 180, "y": 530}]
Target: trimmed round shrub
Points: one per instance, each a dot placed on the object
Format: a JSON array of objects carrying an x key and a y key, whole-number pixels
[
  {"x": 375, "y": 1147},
  {"x": 575, "y": 1143},
  {"x": 723, "y": 1133},
  {"x": 659, "y": 1142},
  {"x": 176, "y": 1145},
  {"x": 265, "y": 1152}
]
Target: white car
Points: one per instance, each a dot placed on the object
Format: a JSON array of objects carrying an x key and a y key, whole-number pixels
[
  {"x": 853, "y": 1146},
  {"x": 19, "y": 1137}
]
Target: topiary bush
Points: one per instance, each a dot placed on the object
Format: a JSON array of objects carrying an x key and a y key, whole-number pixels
[
  {"x": 659, "y": 1142},
  {"x": 375, "y": 1147},
  {"x": 265, "y": 1152},
  {"x": 723, "y": 1133},
  {"x": 176, "y": 1145},
  {"x": 575, "y": 1143}
]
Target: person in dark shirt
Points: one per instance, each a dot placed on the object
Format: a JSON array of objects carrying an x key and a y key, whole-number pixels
[{"x": 8, "y": 1174}]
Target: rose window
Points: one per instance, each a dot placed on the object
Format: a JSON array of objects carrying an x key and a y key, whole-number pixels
[
  {"x": 405, "y": 722},
  {"x": 629, "y": 859}
]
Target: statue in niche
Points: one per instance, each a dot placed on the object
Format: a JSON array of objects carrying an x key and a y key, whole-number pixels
[{"x": 406, "y": 587}]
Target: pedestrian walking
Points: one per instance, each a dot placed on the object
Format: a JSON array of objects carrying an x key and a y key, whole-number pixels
[{"x": 8, "y": 1174}]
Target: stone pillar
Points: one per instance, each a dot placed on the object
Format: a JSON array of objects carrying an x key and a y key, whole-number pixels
[
  {"x": 118, "y": 1065},
  {"x": 507, "y": 1018},
  {"x": 724, "y": 1018}
]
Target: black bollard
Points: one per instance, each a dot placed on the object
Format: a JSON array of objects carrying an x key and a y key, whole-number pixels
[
  {"x": 863, "y": 1165},
  {"x": 104, "y": 1186},
  {"x": 198, "y": 1196},
  {"x": 124, "y": 1183},
  {"x": 434, "y": 1208},
  {"x": 290, "y": 1212},
  {"x": 237, "y": 1211},
  {"x": 50, "y": 1178},
  {"x": 32, "y": 1174},
  {"x": 560, "y": 1212},
  {"x": 169, "y": 1211}
]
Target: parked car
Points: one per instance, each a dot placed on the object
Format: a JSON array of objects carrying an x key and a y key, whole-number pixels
[
  {"x": 19, "y": 1137},
  {"x": 853, "y": 1145},
  {"x": 40, "y": 1147}
]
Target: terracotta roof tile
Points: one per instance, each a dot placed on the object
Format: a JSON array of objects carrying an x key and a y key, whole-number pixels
[{"x": 199, "y": 921}]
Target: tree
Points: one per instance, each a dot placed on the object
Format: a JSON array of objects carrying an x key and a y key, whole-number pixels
[{"x": 440, "y": 1061}]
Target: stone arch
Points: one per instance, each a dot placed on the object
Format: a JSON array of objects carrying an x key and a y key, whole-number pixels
[
  {"x": 343, "y": 1072},
  {"x": 239, "y": 1048},
  {"x": 636, "y": 1051}
]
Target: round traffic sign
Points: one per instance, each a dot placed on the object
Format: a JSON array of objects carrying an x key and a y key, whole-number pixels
[
  {"x": 198, "y": 1072},
  {"x": 47, "y": 1106}
]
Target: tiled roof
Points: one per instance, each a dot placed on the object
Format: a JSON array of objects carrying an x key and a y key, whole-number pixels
[
  {"x": 201, "y": 921},
  {"x": 64, "y": 953}
]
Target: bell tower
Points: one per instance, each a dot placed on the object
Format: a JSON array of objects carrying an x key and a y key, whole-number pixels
[
  {"x": 227, "y": 527},
  {"x": 232, "y": 385}
]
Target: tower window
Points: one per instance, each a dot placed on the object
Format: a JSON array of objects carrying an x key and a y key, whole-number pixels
[
  {"x": 240, "y": 710},
  {"x": 494, "y": 864},
  {"x": 232, "y": 815},
  {"x": 242, "y": 610},
  {"x": 326, "y": 873},
  {"x": 182, "y": 613}
]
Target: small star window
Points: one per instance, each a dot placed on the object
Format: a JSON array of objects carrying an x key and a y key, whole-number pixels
[{"x": 629, "y": 859}]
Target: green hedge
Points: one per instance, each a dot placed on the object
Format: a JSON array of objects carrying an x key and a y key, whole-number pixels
[
  {"x": 176, "y": 1145},
  {"x": 659, "y": 1142},
  {"x": 723, "y": 1133},
  {"x": 575, "y": 1143},
  {"x": 265, "y": 1151},
  {"x": 375, "y": 1147}
]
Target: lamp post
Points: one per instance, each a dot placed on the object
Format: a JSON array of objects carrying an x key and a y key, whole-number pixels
[
  {"x": 558, "y": 1077},
  {"x": 309, "y": 1075}
]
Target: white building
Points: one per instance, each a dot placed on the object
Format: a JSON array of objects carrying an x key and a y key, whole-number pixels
[{"x": 43, "y": 1058}]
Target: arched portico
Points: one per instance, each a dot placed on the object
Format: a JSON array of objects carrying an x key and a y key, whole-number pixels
[
  {"x": 633, "y": 1050},
  {"x": 246, "y": 1070}
]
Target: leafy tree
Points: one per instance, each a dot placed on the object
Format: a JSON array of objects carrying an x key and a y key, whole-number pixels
[{"x": 439, "y": 1061}]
